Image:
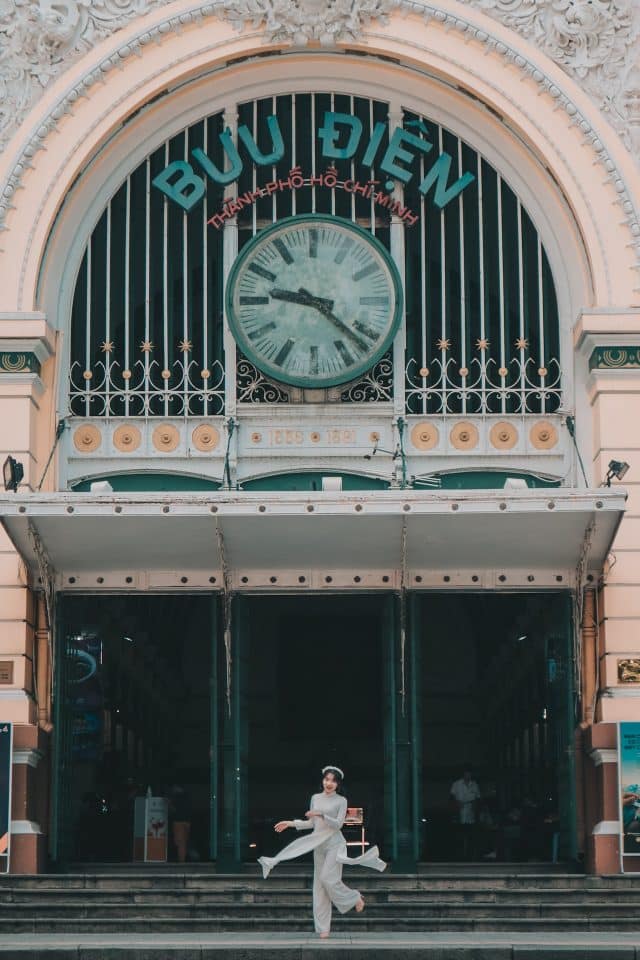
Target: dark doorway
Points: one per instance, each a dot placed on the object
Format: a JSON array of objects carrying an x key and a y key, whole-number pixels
[
  {"x": 497, "y": 700},
  {"x": 315, "y": 698},
  {"x": 133, "y": 713}
]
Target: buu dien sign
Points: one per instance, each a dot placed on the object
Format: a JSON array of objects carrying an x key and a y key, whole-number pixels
[{"x": 340, "y": 137}]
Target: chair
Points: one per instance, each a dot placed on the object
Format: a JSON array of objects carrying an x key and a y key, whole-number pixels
[{"x": 355, "y": 818}]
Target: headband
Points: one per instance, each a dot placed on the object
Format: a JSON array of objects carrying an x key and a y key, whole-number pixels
[{"x": 337, "y": 770}]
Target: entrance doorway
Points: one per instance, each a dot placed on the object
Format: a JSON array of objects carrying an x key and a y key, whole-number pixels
[
  {"x": 132, "y": 703},
  {"x": 315, "y": 685},
  {"x": 497, "y": 701}
]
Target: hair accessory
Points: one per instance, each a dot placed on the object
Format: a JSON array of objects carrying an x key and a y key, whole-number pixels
[{"x": 332, "y": 767}]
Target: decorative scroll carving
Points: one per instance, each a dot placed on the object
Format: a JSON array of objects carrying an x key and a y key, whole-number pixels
[
  {"x": 597, "y": 42},
  {"x": 303, "y": 21}
]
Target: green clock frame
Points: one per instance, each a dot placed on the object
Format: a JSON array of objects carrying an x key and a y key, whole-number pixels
[{"x": 357, "y": 368}]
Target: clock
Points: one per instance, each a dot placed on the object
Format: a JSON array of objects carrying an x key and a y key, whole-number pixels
[{"x": 314, "y": 301}]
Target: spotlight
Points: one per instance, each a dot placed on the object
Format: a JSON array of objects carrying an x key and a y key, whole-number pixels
[
  {"x": 617, "y": 469},
  {"x": 12, "y": 472}
]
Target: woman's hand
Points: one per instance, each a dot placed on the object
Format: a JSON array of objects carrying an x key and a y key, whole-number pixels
[
  {"x": 313, "y": 813},
  {"x": 283, "y": 825}
]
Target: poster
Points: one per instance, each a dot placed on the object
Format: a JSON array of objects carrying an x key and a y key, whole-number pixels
[
  {"x": 629, "y": 767},
  {"x": 6, "y": 742}
]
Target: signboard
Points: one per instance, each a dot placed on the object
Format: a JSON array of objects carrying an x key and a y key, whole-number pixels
[
  {"x": 338, "y": 138},
  {"x": 150, "y": 828},
  {"x": 629, "y": 772},
  {"x": 6, "y": 745}
]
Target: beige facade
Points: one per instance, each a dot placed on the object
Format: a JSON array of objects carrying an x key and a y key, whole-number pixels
[{"x": 532, "y": 93}]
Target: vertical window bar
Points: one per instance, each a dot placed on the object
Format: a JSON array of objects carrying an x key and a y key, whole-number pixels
[
  {"x": 293, "y": 148},
  {"x": 372, "y": 205},
  {"x": 185, "y": 296},
  {"x": 424, "y": 347},
  {"x": 501, "y": 294},
  {"x": 333, "y": 192},
  {"x": 147, "y": 282},
  {"x": 107, "y": 312},
  {"x": 87, "y": 352},
  {"x": 443, "y": 297},
  {"x": 521, "y": 351},
  {"x": 313, "y": 151},
  {"x": 463, "y": 301},
  {"x": 205, "y": 287},
  {"x": 127, "y": 280},
  {"x": 541, "y": 319},
  {"x": 254, "y": 207},
  {"x": 483, "y": 329},
  {"x": 165, "y": 289},
  {"x": 274, "y": 175},
  {"x": 353, "y": 165}
]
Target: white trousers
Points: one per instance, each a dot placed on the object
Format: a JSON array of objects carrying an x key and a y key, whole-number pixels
[{"x": 328, "y": 887}]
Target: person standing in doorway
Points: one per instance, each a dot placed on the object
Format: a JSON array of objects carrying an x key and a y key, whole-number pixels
[
  {"x": 466, "y": 793},
  {"x": 324, "y": 819}
]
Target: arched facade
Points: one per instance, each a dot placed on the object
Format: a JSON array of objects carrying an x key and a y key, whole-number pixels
[{"x": 450, "y": 73}]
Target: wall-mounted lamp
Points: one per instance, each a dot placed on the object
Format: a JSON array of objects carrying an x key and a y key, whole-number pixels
[
  {"x": 394, "y": 454},
  {"x": 617, "y": 469},
  {"x": 12, "y": 473}
]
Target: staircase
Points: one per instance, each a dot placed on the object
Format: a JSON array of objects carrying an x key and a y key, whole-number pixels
[{"x": 501, "y": 903}]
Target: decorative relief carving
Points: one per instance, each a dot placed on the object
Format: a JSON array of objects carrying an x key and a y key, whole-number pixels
[
  {"x": 597, "y": 42},
  {"x": 305, "y": 21}
]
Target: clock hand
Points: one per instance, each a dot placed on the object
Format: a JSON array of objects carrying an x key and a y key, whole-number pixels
[
  {"x": 302, "y": 296},
  {"x": 316, "y": 301},
  {"x": 343, "y": 327}
]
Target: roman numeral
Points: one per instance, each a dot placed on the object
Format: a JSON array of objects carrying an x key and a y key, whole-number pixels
[
  {"x": 344, "y": 250},
  {"x": 373, "y": 301},
  {"x": 284, "y": 352},
  {"x": 313, "y": 243},
  {"x": 313, "y": 359},
  {"x": 346, "y": 357},
  {"x": 365, "y": 329},
  {"x": 261, "y": 272},
  {"x": 246, "y": 301},
  {"x": 283, "y": 250},
  {"x": 260, "y": 332},
  {"x": 365, "y": 272}
]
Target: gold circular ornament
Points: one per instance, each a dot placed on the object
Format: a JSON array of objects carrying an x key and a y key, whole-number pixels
[
  {"x": 542, "y": 371},
  {"x": 127, "y": 438},
  {"x": 424, "y": 436},
  {"x": 205, "y": 374},
  {"x": 543, "y": 435},
  {"x": 205, "y": 437},
  {"x": 166, "y": 438},
  {"x": 464, "y": 371},
  {"x": 503, "y": 371},
  {"x": 374, "y": 437},
  {"x": 503, "y": 435},
  {"x": 86, "y": 439},
  {"x": 464, "y": 436},
  {"x": 256, "y": 437},
  {"x": 126, "y": 374},
  {"x": 315, "y": 437},
  {"x": 87, "y": 375},
  {"x": 165, "y": 374},
  {"x": 424, "y": 371}
]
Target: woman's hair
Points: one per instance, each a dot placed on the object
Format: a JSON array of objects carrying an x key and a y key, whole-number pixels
[{"x": 336, "y": 774}]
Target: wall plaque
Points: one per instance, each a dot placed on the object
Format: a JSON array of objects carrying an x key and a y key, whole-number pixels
[
  {"x": 629, "y": 671},
  {"x": 6, "y": 671}
]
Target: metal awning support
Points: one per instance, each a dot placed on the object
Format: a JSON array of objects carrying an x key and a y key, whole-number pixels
[{"x": 475, "y": 539}]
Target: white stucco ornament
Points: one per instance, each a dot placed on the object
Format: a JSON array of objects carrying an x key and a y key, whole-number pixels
[
  {"x": 301, "y": 22},
  {"x": 597, "y": 42}
]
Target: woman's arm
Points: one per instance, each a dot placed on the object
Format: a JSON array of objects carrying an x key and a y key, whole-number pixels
[{"x": 336, "y": 822}]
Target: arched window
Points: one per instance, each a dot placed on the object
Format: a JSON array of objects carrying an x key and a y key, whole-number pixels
[{"x": 482, "y": 330}]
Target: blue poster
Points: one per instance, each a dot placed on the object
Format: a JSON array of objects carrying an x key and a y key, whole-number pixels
[
  {"x": 6, "y": 732},
  {"x": 629, "y": 751}
]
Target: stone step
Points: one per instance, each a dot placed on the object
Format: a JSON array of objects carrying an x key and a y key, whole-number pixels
[{"x": 532, "y": 927}]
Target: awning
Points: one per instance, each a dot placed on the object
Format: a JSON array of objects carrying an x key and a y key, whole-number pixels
[{"x": 289, "y": 540}]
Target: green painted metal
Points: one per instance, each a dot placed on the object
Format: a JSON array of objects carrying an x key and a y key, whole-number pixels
[
  {"x": 614, "y": 358},
  {"x": 214, "y": 730},
  {"x": 149, "y": 482},
  {"x": 60, "y": 828},
  {"x": 415, "y": 700},
  {"x": 390, "y": 621},
  {"x": 490, "y": 479},
  {"x": 313, "y": 481},
  {"x": 235, "y": 741}
]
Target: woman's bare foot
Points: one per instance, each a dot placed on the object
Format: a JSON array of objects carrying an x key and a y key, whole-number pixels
[
  {"x": 324, "y": 935},
  {"x": 360, "y": 905}
]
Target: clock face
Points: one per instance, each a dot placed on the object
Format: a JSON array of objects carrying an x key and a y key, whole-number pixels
[{"x": 314, "y": 301}]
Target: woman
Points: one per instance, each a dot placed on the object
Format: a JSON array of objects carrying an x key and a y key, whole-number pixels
[{"x": 325, "y": 818}]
